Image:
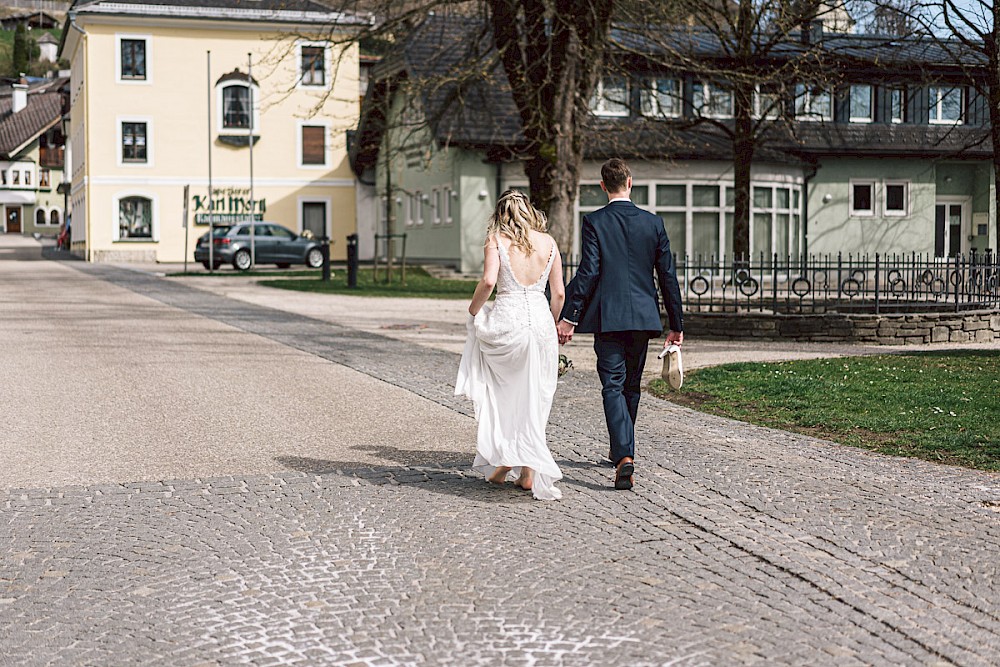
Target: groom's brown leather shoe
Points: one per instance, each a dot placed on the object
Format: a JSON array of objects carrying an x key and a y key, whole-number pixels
[{"x": 623, "y": 474}]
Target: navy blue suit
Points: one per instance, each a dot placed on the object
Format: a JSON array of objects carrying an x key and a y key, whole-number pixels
[{"x": 613, "y": 296}]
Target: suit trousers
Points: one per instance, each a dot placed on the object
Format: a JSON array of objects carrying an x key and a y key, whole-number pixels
[{"x": 621, "y": 356}]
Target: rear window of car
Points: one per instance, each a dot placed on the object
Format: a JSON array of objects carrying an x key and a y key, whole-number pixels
[{"x": 220, "y": 231}]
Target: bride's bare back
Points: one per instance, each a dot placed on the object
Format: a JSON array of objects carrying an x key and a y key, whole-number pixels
[{"x": 528, "y": 269}]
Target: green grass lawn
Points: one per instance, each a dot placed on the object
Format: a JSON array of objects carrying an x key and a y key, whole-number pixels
[
  {"x": 418, "y": 284},
  {"x": 938, "y": 406}
]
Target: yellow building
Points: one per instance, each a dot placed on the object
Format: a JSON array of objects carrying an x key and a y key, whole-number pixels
[{"x": 160, "y": 94}]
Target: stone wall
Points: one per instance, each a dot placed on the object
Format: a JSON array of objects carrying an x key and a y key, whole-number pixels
[{"x": 894, "y": 329}]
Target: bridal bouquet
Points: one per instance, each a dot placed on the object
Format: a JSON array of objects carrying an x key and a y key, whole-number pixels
[{"x": 565, "y": 364}]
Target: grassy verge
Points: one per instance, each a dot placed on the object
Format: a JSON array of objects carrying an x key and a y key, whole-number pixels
[
  {"x": 418, "y": 284},
  {"x": 937, "y": 406}
]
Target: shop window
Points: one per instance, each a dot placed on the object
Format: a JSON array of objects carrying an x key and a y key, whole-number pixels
[{"x": 135, "y": 218}]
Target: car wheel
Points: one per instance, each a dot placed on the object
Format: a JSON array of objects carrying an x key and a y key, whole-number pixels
[
  {"x": 214, "y": 265},
  {"x": 283, "y": 266},
  {"x": 241, "y": 260},
  {"x": 314, "y": 258}
]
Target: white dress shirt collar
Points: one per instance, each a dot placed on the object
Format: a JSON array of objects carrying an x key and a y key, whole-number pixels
[{"x": 612, "y": 201}]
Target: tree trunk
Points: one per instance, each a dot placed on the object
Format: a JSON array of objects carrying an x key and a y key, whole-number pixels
[{"x": 552, "y": 53}]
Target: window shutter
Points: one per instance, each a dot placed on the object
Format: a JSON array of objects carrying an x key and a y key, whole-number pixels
[{"x": 313, "y": 144}]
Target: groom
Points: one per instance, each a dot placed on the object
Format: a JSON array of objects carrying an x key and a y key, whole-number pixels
[{"x": 613, "y": 296}]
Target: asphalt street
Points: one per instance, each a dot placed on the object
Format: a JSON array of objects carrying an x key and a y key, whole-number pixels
[{"x": 195, "y": 473}]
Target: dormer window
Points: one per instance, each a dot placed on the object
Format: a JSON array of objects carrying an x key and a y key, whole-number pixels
[
  {"x": 610, "y": 97},
  {"x": 237, "y": 96},
  {"x": 236, "y": 107},
  {"x": 947, "y": 105}
]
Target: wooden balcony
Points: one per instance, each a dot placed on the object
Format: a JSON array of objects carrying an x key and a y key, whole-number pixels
[{"x": 51, "y": 157}]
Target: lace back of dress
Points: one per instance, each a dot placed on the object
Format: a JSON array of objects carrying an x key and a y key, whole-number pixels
[{"x": 508, "y": 282}]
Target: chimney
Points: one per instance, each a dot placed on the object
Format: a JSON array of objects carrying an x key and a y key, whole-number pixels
[
  {"x": 20, "y": 98},
  {"x": 812, "y": 32}
]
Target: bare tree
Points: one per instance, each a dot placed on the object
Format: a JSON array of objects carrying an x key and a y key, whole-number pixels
[
  {"x": 746, "y": 56},
  {"x": 550, "y": 53}
]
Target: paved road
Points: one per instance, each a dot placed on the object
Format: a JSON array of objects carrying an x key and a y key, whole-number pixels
[{"x": 163, "y": 505}]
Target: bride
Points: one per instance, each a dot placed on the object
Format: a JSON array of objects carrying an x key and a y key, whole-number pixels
[{"x": 511, "y": 359}]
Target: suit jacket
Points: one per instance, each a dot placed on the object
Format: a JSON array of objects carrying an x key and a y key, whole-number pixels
[{"x": 613, "y": 289}]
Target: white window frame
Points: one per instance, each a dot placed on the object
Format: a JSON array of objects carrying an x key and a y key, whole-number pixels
[
  {"x": 327, "y": 149},
  {"x": 148, "y": 81},
  {"x": 758, "y": 111},
  {"x": 651, "y": 97},
  {"x": 871, "y": 103},
  {"x": 154, "y": 216},
  {"x": 865, "y": 213},
  {"x": 937, "y": 95},
  {"x": 804, "y": 110},
  {"x": 220, "y": 110},
  {"x": 436, "y": 199},
  {"x": 703, "y": 90},
  {"x": 409, "y": 209},
  {"x": 327, "y": 65},
  {"x": 906, "y": 198},
  {"x": 599, "y": 104},
  {"x": 418, "y": 209},
  {"x": 449, "y": 194},
  {"x": 893, "y": 118},
  {"x": 119, "y": 148}
]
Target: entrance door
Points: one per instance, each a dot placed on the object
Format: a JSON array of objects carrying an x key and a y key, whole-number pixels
[
  {"x": 13, "y": 219},
  {"x": 950, "y": 228}
]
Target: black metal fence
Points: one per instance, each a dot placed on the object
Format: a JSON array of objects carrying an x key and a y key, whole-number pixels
[{"x": 835, "y": 283}]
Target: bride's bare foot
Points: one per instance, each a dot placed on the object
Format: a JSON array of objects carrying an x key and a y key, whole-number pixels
[
  {"x": 526, "y": 479},
  {"x": 499, "y": 476}
]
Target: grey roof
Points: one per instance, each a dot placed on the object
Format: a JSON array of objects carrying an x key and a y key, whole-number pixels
[
  {"x": 473, "y": 107},
  {"x": 17, "y": 129},
  {"x": 293, "y": 11}
]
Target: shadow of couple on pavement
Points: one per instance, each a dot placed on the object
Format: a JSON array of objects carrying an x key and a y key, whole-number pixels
[{"x": 439, "y": 471}]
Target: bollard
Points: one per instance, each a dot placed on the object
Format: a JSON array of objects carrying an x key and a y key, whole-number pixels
[
  {"x": 325, "y": 249},
  {"x": 352, "y": 260}
]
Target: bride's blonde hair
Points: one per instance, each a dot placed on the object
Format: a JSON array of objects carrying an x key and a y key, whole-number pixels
[{"x": 515, "y": 217}]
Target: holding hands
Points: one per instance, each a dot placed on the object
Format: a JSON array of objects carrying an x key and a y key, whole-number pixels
[{"x": 565, "y": 331}]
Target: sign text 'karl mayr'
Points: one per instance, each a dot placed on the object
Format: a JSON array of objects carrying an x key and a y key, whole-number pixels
[{"x": 228, "y": 206}]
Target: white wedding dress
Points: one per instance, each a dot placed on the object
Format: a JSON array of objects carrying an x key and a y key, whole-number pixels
[{"x": 509, "y": 369}]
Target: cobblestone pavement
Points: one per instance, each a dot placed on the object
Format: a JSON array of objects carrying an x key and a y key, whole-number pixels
[{"x": 740, "y": 546}]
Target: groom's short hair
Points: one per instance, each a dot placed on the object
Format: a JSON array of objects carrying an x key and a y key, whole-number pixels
[{"x": 615, "y": 174}]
